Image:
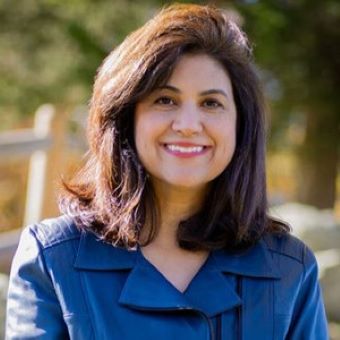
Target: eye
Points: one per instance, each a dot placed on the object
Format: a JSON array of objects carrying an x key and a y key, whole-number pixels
[
  {"x": 164, "y": 100},
  {"x": 212, "y": 104}
]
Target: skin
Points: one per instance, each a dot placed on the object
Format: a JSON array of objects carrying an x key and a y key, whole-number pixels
[{"x": 185, "y": 136}]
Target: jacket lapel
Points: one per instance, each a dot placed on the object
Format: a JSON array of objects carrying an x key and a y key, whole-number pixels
[
  {"x": 256, "y": 261},
  {"x": 147, "y": 288},
  {"x": 94, "y": 254},
  {"x": 211, "y": 291}
]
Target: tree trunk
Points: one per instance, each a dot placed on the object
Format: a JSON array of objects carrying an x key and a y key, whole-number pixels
[{"x": 318, "y": 159}]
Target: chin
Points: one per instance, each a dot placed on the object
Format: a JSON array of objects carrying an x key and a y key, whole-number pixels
[{"x": 187, "y": 183}]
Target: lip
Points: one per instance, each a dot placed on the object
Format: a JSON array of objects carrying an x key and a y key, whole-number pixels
[{"x": 187, "y": 154}]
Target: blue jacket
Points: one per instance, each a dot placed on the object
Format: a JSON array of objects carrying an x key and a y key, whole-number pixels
[{"x": 66, "y": 283}]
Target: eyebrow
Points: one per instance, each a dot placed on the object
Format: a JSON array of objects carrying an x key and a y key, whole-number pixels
[{"x": 203, "y": 93}]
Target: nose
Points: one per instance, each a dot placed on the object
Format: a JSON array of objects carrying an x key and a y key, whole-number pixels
[{"x": 187, "y": 121}]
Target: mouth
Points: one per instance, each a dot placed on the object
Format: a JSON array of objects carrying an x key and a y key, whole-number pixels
[{"x": 185, "y": 150}]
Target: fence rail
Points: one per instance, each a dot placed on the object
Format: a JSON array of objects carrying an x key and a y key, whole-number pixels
[{"x": 43, "y": 146}]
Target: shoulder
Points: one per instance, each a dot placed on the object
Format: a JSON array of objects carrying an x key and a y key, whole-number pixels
[
  {"x": 39, "y": 249},
  {"x": 291, "y": 250},
  {"x": 53, "y": 231},
  {"x": 297, "y": 293}
]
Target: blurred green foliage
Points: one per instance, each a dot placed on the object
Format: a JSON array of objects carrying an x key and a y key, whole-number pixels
[
  {"x": 50, "y": 50},
  {"x": 298, "y": 41}
]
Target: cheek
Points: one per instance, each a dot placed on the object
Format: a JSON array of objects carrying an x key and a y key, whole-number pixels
[
  {"x": 227, "y": 136},
  {"x": 232, "y": 141},
  {"x": 140, "y": 132},
  {"x": 145, "y": 138},
  {"x": 227, "y": 141}
]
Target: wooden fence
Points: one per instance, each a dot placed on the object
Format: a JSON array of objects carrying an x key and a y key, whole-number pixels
[{"x": 45, "y": 146}]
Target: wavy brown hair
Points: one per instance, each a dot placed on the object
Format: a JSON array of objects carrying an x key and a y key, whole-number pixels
[{"x": 111, "y": 194}]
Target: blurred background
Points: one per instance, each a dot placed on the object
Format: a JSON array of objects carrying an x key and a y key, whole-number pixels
[{"x": 50, "y": 50}]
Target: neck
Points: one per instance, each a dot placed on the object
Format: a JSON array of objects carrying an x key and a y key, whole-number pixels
[{"x": 175, "y": 204}]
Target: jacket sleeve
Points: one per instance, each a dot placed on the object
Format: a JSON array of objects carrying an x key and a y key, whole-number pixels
[
  {"x": 309, "y": 317},
  {"x": 33, "y": 310}
]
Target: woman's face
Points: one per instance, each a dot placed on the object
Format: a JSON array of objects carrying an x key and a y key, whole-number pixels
[{"x": 185, "y": 131}]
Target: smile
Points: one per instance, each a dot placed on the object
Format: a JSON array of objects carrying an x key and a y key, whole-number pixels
[{"x": 185, "y": 151}]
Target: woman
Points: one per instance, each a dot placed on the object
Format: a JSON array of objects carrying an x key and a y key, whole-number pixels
[{"x": 165, "y": 233}]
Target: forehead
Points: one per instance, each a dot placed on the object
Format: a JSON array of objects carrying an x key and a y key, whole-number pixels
[{"x": 199, "y": 71}]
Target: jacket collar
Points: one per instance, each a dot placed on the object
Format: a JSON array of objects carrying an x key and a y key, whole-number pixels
[
  {"x": 256, "y": 261},
  {"x": 94, "y": 254},
  {"x": 146, "y": 288}
]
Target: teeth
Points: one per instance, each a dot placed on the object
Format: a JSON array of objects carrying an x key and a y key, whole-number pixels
[{"x": 183, "y": 149}]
